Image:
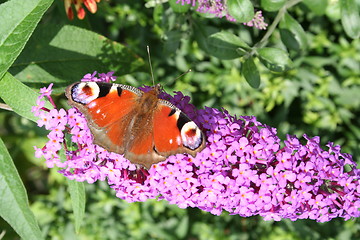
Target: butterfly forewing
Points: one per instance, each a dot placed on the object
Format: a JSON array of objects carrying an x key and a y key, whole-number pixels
[{"x": 106, "y": 107}]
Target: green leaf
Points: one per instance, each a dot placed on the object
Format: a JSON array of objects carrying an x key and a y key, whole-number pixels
[
  {"x": 77, "y": 194},
  {"x": 158, "y": 14},
  {"x": 74, "y": 52},
  {"x": 275, "y": 59},
  {"x": 172, "y": 42},
  {"x": 350, "y": 18},
  {"x": 272, "y": 5},
  {"x": 202, "y": 33},
  {"x": 225, "y": 45},
  {"x": 317, "y": 6},
  {"x": 292, "y": 33},
  {"x": 333, "y": 11},
  {"x": 18, "y": 20},
  {"x": 178, "y": 8},
  {"x": 250, "y": 72},
  {"x": 182, "y": 227},
  {"x": 14, "y": 207},
  {"x": 19, "y": 97},
  {"x": 154, "y": 3},
  {"x": 241, "y": 10}
]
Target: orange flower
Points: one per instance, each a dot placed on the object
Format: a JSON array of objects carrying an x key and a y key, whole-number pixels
[{"x": 90, "y": 5}]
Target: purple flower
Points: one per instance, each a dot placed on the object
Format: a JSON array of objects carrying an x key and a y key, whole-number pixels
[
  {"x": 258, "y": 21},
  {"x": 46, "y": 91},
  {"x": 219, "y": 9},
  {"x": 243, "y": 169}
]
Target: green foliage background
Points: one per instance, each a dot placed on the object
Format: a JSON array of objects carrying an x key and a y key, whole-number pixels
[{"x": 317, "y": 92}]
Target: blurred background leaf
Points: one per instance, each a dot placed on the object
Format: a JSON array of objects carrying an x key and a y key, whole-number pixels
[
  {"x": 350, "y": 18},
  {"x": 272, "y": 5}
]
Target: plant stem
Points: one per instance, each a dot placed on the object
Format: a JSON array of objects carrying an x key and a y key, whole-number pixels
[{"x": 276, "y": 21}]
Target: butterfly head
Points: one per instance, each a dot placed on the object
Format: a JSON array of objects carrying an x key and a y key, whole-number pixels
[{"x": 156, "y": 89}]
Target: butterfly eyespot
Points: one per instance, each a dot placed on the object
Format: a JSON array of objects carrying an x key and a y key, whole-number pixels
[
  {"x": 191, "y": 135},
  {"x": 191, "y": 132},
  {"x": 85, "y": 92}
]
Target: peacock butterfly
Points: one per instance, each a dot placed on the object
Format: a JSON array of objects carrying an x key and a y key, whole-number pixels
[{"x": 138, "y": 124}]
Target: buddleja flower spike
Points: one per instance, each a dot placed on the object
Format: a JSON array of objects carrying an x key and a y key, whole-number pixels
[{"x": 243, "y": 169}]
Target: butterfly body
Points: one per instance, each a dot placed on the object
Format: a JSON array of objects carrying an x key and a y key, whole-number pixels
[{"x": 126, "y": 120}]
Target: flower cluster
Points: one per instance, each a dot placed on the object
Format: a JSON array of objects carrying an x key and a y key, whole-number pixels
[
  {"x": 219, "y": 9},
  {"x": 216, "y": 7},
  {"x": 257, "y": 22},
  {"x": 244, "y": 169},
  {"x": 89, "y": 4}
]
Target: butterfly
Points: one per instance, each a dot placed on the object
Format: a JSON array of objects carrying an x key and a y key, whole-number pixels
[{"x": 138, "y": 124}]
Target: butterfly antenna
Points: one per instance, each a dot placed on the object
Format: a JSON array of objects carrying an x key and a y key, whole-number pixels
[
  {"x": 151, "y": 69},
  {"x": 182, "y": 74}
]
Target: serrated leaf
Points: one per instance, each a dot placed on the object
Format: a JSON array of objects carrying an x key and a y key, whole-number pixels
[
  {"x": 14, "y": 207},
  {"x": 77, "y": 194},
  {"x": 225, "y": 45},
  {"x": 178, "y": 7},
  {"x": 18, "y": 20},
  {"x": 318, "y": 6},
  {"x": 275, "y": 59},
  {"x": 292, "y": 33},
  {"x": 350, "y": 18},
  {"x": 74, "y": 52},
  {"x": 241, "y": 10},
  {"x": 272, "y": 5},
  {"x": 250, "y": 72},
  {"x": 19, "y": 97}
]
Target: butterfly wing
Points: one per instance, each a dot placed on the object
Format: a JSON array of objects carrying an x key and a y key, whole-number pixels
[
  {"x": 107, "y": 108},
  {"x": 174, "y": 132}
]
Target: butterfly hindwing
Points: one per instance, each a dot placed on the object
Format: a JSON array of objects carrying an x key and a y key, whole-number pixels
[{"x": 174, "y": 132}]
